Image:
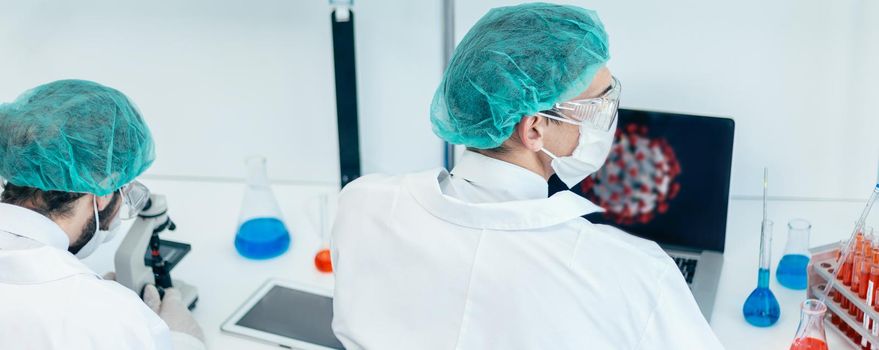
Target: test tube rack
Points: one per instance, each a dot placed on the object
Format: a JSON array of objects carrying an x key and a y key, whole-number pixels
[{"x": 820, "y": 270}]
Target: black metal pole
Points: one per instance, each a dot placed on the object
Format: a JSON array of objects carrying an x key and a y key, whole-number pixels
[{"x": 346, "y": 95}]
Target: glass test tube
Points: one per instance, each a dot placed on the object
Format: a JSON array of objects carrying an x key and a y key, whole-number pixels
[
  {"x": 873, "y": 281},
  {"x": 858, "y": 264}
]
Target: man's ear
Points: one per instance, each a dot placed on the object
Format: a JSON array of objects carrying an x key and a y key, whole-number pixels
[
  {"x": 530, "y": 131},
  {"x": 103, "y": 201}
]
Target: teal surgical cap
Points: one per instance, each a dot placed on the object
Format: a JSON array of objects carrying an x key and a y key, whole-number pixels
[
  {"x": 73, "y": 136},
  {"x": 515, "y": 62}
]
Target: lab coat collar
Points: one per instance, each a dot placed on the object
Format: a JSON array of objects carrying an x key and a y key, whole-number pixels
[
  {"x": 513, "y": 215},
  {"x": 40, "y": 265},
  {"x": 510, "y": 180},
  {"x": 28, "y": 223},
  {"x": 47, "y": 263}
]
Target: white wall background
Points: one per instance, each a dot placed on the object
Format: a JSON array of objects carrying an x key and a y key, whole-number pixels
[
  {"x": 219, "y": 80},
  {"x": 798, "y": 76}
]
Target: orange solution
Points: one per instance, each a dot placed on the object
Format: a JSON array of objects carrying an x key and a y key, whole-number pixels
[
  {"x": 808, "y": 343},
  {"x": 873, "y": 283},
  {"x": 846, "y": 274},
  {"x": 846, "y": 271},
  {"x": 876, "y": 291},
  {"x": 857, "y": 265},
  {"x": 864, "y": 278},
  {"x": 322, "y": 261},
  {"x": 839, "y": 272},
  {"x": 834, "y": 318},
  {"x": 856, "y": 271},
  {"x": 847, "y": 330}
]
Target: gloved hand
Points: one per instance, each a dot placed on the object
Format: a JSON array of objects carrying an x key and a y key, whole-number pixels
[{"x": 171, "y": 310}]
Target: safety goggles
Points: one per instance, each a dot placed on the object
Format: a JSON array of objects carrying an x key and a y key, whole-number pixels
[
  {"x": 134, "y": 199},
  {"x": 598, "y": 113}
]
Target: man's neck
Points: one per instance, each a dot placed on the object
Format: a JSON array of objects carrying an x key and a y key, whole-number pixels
[{"x": 527, "y": 160}]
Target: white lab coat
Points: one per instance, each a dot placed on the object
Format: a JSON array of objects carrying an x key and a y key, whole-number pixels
[
  {"x": 51, "y": 300},
  {"x": 481, "y": 259}
]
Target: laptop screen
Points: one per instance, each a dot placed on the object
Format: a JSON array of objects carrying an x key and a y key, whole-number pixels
[{"x": 666, "y": 179}]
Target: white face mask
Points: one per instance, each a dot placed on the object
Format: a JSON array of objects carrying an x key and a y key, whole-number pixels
[
  {"x": 590, "y": 154},
  {"x": 101, "y": 236}
]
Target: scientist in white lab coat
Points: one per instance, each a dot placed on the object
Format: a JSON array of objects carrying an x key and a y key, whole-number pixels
[
  {"x": 480, "y": 258},
  {"x": 70, "y": 151}
]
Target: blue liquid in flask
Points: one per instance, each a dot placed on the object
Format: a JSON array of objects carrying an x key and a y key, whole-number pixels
[
  {"x": 262, "y": 238},
  {"x": 761, "y": 308},
  {"x": 791, "y": 271}
]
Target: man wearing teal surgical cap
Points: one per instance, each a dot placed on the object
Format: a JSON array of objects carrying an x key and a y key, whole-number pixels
[
  {"x": 70, "y": 151},
  {"x": 481, "y": 257}
]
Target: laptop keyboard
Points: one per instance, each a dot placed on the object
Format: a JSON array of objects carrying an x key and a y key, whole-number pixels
[{"x": 687, "y": 267}]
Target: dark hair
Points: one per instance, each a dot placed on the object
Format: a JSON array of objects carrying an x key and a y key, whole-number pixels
[
  {"x": 499, "y": 150},
  {"x": 48, "y": 203}
]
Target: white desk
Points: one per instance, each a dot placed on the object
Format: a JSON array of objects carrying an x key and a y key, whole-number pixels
[
  {"x": 831, "y": 221},
  {"x": 207, "y": 216}
]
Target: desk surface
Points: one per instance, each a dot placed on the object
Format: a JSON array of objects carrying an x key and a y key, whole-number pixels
[{"x": 207, "y": 216}]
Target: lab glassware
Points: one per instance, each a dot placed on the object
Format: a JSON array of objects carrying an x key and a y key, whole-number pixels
[
  {"x": 761, "y": 308},
  {"x": 262, "y": 233},
  {"x": 322, "y": 260},
  {"x": 810, "y": 333},
  {"x": 846, "y": 249},
  {"x": 791, "y": 271}
]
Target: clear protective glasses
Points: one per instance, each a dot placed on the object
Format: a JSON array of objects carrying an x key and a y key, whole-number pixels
[
  {"x": 598, "y": 113},
  {"x": 134, "y": 199}
]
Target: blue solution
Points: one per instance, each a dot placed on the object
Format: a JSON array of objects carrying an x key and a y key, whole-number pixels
[
  {"x": 262, "y": 238},
  {"x": 761, "y": 308},
  {"x": 791, "y": 271}
]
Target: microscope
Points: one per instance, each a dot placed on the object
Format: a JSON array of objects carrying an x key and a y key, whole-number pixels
[{"x": 143, "y": 258}]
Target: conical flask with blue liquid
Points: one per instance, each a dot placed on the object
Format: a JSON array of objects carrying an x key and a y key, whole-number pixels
[
  {"x": 262, "y": 233},
  {"x": 791, "y": 271}
]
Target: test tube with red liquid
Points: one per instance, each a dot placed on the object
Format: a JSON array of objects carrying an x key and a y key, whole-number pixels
[{"x": 322, "y": 260}]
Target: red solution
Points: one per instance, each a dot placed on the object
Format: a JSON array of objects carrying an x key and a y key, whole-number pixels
[
  {"x": 808, "y": 344},
  {"x": 322, "y": 261}
]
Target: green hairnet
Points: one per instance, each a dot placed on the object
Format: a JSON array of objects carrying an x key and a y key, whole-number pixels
[
  {"x": 73, "y": 136},
  {"x": 515, "y": 62}
]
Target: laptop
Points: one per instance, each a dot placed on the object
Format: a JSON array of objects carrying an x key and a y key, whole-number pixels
[{"x": 667, "y": 179}]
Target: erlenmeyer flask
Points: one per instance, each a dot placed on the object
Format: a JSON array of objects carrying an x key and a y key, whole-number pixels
[
  {"x": 810, "y": 333},
  {"x": 791, "y": 270},
  {"x": 261, "y": 231}
]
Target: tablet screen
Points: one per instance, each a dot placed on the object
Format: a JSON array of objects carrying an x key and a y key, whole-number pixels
[{"x": 294, "y": 314}]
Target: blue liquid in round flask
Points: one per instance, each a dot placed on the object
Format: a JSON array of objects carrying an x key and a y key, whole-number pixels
[
  {"x": 262, "y": 233},
  {"x": 761, "y": 308}
]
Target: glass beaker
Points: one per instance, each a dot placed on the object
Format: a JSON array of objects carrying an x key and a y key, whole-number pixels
[
  {"x": 761, "y": 308},
  {"x": 810, "y": 333},
  {"x": 791, "y": 270},
  {"x": 322, "y": 260},
  {"x": 261, "y": 231}
]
